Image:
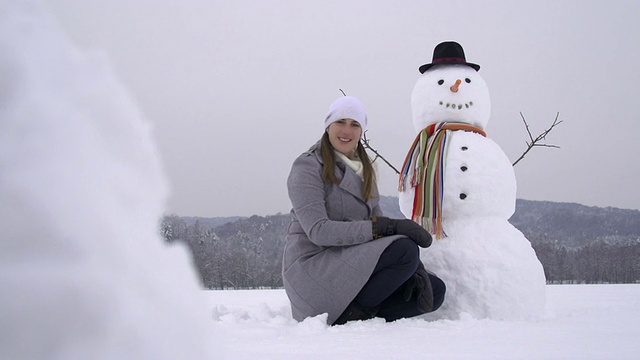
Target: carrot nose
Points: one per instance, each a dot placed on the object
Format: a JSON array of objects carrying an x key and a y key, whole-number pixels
[{"x": 454, "y": 88}]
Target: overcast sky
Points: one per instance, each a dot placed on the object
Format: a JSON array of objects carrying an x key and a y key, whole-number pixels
[{"x": 237, "y": 89}]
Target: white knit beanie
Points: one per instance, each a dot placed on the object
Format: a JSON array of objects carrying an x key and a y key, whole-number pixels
[{"x": 347, "y": 107}]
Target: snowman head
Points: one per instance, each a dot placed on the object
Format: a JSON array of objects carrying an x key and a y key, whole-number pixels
[
  {"x": 452, "y": 93},
  {"x": 450, "y": 89}
]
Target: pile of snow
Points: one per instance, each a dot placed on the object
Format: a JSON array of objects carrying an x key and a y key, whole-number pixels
[{"x": 83, "y": 273}]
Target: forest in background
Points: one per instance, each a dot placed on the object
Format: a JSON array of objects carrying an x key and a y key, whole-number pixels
[{"x": 576, "y": 244}]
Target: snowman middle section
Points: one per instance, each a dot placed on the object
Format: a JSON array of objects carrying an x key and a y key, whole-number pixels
[{"x": 478, "y": 178}]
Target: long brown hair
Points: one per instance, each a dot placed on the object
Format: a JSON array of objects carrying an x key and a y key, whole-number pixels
[{"x": 329, "y": 165}]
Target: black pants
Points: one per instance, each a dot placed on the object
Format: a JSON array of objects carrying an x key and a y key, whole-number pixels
[{"x": 385, "y": 288}]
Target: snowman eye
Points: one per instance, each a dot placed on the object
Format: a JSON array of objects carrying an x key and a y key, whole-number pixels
[
  {"x": 467, "y": 80},
  {"x": 440, "y": 82}
]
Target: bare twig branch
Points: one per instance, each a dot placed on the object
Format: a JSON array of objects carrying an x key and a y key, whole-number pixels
[
  {"x": 365, "y": 143},
  {"x": 535, "y": 142}
]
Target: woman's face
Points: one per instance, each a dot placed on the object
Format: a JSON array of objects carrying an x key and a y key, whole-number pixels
[{"x": 344, "y": 135}]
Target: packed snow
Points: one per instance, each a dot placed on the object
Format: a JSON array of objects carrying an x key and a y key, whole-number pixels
[
  {"x": 84, "y": 274},
  {"x": 581, "y": 322}
]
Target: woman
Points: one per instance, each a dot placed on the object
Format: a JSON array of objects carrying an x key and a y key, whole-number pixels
[{"x": 342, "y": 257}]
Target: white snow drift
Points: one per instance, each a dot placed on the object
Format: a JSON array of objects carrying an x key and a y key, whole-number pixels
[{"x": 83, "y": 273}]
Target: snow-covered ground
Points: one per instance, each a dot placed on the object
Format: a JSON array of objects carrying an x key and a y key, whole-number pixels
[{"x": 582, "y": 322}]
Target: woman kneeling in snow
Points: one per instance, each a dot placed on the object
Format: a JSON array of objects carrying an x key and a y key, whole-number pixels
[{"x": 342, "y": 257}]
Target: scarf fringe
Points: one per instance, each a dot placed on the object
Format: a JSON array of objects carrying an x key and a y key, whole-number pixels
[{"x": 424, "y": 167}]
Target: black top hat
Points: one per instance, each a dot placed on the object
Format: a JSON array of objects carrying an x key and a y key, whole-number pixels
[{"x": 448, "y": 52}]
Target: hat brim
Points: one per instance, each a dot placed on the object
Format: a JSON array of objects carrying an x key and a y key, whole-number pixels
[{"x": 426, "y": 67}]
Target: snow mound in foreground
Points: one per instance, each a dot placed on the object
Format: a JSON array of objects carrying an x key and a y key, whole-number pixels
[{"x": 84, "y": 274}]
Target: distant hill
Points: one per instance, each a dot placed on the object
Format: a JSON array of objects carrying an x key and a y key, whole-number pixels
[
  {"x": 575, "y": 225},
  {"x": 569, "y": 224},
  {"x": 390, "y": 207},
  {"x": 575, "y": 243}
]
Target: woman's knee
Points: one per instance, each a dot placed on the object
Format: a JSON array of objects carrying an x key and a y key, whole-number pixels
[
  {"x": 405, "y": 249},
  {"x": 401, "y": 255}
]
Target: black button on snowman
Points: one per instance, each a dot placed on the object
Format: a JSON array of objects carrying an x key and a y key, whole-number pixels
[{"x": 460, "y": 186}]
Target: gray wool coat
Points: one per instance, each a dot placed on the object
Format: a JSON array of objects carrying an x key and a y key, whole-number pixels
[{"x": 329, "y": 253}]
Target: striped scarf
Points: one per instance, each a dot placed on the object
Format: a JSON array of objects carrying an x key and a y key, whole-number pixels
[{"x": 424, "y": 167}]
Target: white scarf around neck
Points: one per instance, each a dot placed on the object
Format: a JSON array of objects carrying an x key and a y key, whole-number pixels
[{"x": 355, "y": 165}]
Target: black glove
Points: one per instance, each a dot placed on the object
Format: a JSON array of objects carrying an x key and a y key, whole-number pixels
[
  {"x": 383, "y": 226},
  {"x": 420, "y": 285}
]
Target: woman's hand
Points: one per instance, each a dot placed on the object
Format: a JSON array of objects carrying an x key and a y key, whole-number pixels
[{"x": 383, "y": 226}]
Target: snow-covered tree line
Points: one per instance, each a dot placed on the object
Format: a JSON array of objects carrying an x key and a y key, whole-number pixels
[
  {"x": 595, "y": 263},
  {"x": 575, "y": 244},
  {"x": 243, "y": 254}
]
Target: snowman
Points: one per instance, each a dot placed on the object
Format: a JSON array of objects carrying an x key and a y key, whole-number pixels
[{"x": 460, "y": 186}]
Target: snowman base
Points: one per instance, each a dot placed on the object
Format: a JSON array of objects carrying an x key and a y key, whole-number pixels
[{"x": 490, "y": 270}]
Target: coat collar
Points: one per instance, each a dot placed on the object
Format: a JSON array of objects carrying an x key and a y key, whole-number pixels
[{"x": 351, "y": 182}]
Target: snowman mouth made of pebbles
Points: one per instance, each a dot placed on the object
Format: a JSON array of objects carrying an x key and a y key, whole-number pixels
[{"x": 455, "y": 88}]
